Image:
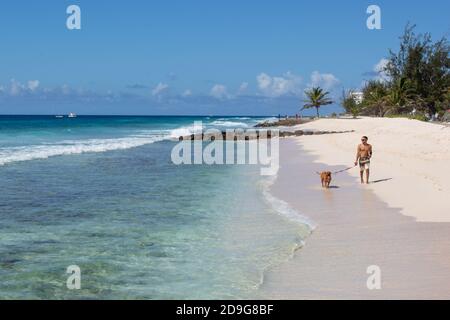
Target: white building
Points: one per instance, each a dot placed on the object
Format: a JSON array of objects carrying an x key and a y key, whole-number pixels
[{"x": 357, "y": 96}]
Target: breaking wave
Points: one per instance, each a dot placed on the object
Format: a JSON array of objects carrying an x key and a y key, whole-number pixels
[{"x": 68, "y": 147}]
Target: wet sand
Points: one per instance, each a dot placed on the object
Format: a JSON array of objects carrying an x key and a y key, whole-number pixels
[{"x": 355, "y": 230}]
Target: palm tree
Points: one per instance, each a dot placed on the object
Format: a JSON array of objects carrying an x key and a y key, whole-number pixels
[
  {"x": 316, "y": 98},
  {"x": 401, "y": 96},
  {"x": 374, "y": 101}
]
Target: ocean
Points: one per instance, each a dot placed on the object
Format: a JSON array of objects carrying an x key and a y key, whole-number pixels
[{"x": 101, "y": 193}]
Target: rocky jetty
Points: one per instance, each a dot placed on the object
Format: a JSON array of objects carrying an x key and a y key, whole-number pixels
[
  {"x": 255, "y": 134},
  {"x": 289, "y": 122}
]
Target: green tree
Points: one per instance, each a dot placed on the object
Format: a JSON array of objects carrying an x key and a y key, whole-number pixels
[
  {"x": 374, "y": 98},
  {"x": 425, "y": 65},
  {"x": 401, "y": 97},
  {"x": 349, "y": 103},
  {"x": 316, "y": 97}
]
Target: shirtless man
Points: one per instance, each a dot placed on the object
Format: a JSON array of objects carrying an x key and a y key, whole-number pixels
[{"x": 363, "y": 155}]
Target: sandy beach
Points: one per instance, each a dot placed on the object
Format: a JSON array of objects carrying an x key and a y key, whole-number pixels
[
  {"x": 399, "y": 222},
  {"x": 413, "y": 154}
]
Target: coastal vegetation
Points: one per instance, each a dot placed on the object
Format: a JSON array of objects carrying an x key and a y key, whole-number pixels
[
  {"x": 413, "y": 82},
  {"x": 349, "y": 103}
]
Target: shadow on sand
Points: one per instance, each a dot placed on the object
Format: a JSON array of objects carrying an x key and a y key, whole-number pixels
[
  {"x": 381, "y": 180},
  {"x": 372, "y": 182}
]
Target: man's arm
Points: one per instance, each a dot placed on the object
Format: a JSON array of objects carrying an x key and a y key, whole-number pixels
[
  {"x": 370, "y": 151},
  {"x": 357, "y": 155}
]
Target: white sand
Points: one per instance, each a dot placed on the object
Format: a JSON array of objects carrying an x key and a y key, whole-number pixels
[{"x": 414, "y": 154}]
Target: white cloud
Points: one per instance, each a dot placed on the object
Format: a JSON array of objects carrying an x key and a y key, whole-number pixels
[
  {"x": 32, "y": 89},
  {"x": 33, "y": 85},
  {"x": 16, "y": 87},
  {"x": 243, "y": 88},
  {"x": 187, "y": 93},
  {"x": 279, "y": 85},
  {"x": 381, "y": 65},
  {"x": 379, "y": 68},
  {"x": 219, "y": 91},
  {"x": 160, "y": 88},
  {"x": 65, "y": 89},
  {"x": 327, "y": 81}
]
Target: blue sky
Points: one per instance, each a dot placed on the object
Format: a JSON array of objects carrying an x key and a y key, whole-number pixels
[{"x": 194, "y": 56}]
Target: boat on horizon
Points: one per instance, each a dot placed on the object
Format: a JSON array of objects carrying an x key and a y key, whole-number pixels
[{"x": 72, "y": 115}]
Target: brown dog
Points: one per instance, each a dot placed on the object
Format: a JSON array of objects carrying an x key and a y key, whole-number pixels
[{"x": 325, "y": 178}]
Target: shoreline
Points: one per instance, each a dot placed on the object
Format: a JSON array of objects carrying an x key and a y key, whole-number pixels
[{"x": 357, "y": 228}]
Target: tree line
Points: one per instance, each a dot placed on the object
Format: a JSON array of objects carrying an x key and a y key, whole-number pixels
[{"x": 415, "y": 82}]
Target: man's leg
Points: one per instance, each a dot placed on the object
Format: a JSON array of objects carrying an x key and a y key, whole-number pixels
[
  {"x": 367, "y": 175},
  {"x": 361, "y": 172}
]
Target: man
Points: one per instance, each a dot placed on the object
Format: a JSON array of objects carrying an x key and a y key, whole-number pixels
[{"x": 363, "y": 155}]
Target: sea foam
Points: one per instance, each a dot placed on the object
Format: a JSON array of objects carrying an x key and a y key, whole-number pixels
[
  {"x": 68, "y": 147},
  {"x": 282, "y": 207}
]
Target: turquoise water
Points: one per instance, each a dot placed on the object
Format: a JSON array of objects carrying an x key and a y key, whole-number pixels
[{"x": 103, "y": 194}]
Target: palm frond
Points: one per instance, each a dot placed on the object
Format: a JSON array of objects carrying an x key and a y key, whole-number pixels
[{"x": 316, "y": 97}]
